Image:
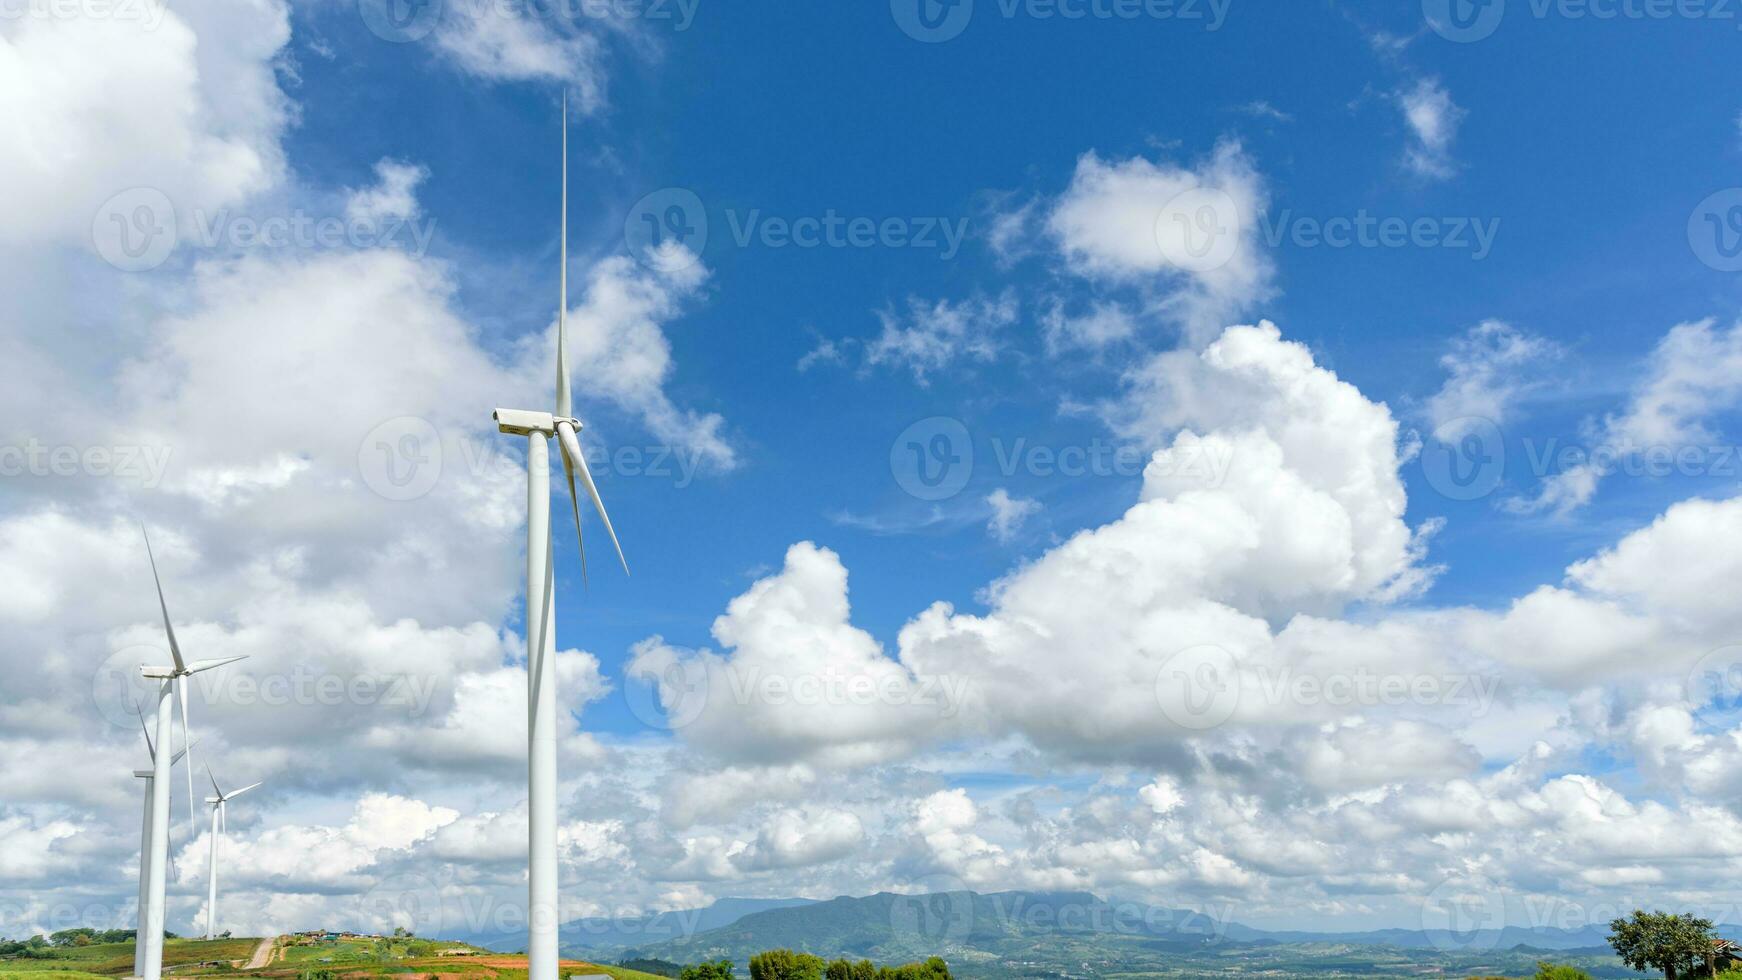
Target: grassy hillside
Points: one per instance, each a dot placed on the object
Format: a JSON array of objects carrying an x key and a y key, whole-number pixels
[
  {"x": 116, "y": 959},
  {"x": 345, "y": 959}
]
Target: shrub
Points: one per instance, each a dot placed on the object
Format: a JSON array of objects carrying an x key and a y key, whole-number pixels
[
  {"x": 1560, "y": 971},
  {"x": 717, "y": 970}
]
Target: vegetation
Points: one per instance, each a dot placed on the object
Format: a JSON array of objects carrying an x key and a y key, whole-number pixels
[
  {"x": 784, "y": 964},
  {"x": 1676, "y": 944},
  {"x": 662, "y": 968},
  {"x": 1554, "y": 971},
  {"x": 41, "y": 958},
  {"x": 716, "y": 970}
]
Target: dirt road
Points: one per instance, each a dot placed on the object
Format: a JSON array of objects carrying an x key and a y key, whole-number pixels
[{"x": 262, "y": 953}]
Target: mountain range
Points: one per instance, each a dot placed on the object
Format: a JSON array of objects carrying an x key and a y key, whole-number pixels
[{"x": 1019, "y": 933}]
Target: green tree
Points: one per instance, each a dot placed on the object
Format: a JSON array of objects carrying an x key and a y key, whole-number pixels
[
  {"x": 1560, "y": 971},
  {"x": 1676, "y": 944},
  {"x": 844, "y": 969},
  {"x": 784, "y": 964},
  {"x": 717, "y": 970}
]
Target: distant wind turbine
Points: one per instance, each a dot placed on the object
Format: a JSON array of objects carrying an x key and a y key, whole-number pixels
[
  {"x": 170, "y": 679},
  {"x": 219, "y": 805},
  {"x": 539, "y": 427},
  {"x": 145, "y": 842}
]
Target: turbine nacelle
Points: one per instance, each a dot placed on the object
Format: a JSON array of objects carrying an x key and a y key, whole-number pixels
[{"x": 516, "y": 422}]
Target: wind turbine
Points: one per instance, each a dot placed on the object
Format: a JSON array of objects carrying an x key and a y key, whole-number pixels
[
  {"x": 218, "y": 804},
  {"x": 145, "y": 842},
  {"x": 169, "y": 679},
  {"x": 539, "y": 428}
]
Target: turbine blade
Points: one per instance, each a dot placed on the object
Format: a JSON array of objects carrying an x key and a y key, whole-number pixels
[
  {"x": 187, "y": 737},
  {"x": 240, "y": 791},
  {"x": 214, "y": 780},
  {"x": 174, "y": 648},
  {"x": 146, "y": 731},
  {"x": 564, "y": 398},
  {"x": 572, "y": 446},
  {"x": 184, "y": 751},
  {"x": 200, "y": 665},
  {"x": 575, "y": 504}
]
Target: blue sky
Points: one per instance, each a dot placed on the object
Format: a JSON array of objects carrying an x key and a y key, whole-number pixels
[
  {"x": 1563, "y": 180},
  {"x": 794, "y": 112}
]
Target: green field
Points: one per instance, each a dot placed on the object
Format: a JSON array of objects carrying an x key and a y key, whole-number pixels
[
  {"x": 401, "y": 957},
  {"x": 116, "y": 959}
]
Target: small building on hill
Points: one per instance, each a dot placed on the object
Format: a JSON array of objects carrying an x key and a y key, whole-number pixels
[{"x": 1726, "y": 955}]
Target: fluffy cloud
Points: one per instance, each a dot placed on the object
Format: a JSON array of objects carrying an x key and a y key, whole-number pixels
[
  {"x": 1009, "y": 513},
  {"x": 1433, "y": 120},
  {"x": 1692, "y": 375},
  {"x": 181, "y": 99},
  {"x": 1189, "y": 237},
  {"x": 934, "y": 336},
  {"x": 1488, "y": 370}
]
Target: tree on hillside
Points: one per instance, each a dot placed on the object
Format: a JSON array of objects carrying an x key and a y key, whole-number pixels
[
  {"x": 932, "y": 969},
  {"x": 717, "y": 970},
  {"x": 784, "y": 964},
  {"x": 1676, "y": 944},
  {"x": 844, "y": 969}
]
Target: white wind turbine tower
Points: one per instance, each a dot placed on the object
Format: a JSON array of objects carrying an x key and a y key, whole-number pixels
[
  {"x": 149, "y": 775},
  {"x": 219, "y": 805},
  {"x": 539, "y": 427},
  {"x": 169, "y": 679}
]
